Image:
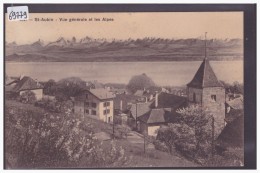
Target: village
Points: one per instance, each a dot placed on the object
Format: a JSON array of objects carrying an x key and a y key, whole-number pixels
[{"x": 141, "y": 113}]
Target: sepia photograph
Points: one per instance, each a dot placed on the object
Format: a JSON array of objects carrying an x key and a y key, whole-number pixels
[{"x": 124, "y": 89}]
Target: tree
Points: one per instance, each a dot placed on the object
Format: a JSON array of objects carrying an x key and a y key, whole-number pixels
[
  {"x": 236, "y": 87},
  {"x": 140, "y": 82},
  {"x": 191, "y": 135},
  {"x": 50, "y": 87},
  {"x": 201, "y": 122},
  {"x": 36, "y": 139},
  {"x": 69, "y": 87},
  {"x": 27, "y": 97},
  {"x": 179, "y": 135}
]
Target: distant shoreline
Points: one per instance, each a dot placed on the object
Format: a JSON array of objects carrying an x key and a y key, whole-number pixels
[
  {"x": 123, "y": 60},
  {"x": 112, "y": 61}
]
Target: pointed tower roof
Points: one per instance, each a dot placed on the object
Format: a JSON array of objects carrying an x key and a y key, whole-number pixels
[{"x": 205, "y": 77}]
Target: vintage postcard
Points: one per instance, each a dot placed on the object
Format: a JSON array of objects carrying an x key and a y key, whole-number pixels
[{"x": 124, "y": 89}]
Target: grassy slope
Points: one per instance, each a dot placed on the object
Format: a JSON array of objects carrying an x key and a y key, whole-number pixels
[{"x": 152, "y": 158}]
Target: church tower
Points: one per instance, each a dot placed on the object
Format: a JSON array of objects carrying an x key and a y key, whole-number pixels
[{"x": 205, "y": 90}]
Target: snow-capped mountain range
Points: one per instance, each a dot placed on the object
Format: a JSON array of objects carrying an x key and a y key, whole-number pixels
[{"x": 89, "y": 49}]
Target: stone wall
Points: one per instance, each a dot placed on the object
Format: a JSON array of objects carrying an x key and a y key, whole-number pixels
[
  {"x": 215, "y": 107},
  {"x": 198, "y": 93}
]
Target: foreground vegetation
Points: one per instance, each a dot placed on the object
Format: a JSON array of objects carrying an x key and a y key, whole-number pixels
[{"x": 37, "y": 138}]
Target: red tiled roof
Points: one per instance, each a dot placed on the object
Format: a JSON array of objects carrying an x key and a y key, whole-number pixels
[{"x": 205, "y": 77}]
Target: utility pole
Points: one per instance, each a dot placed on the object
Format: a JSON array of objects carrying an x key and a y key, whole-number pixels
[
  {"x": 213, "y": 131},
  {"x": 144, "y": 143},
  {"x": 205, "y": 45},
  {"x": 136, "y": 117},
  {"x": 113, "y": 123},
  {"x": 106, "y": 108}
]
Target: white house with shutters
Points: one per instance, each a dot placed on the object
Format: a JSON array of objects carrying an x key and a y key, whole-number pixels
[{"x": 95, "y": 103}]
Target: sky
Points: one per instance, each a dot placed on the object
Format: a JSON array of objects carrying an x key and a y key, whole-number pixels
[{"x": 220, "y": 25}]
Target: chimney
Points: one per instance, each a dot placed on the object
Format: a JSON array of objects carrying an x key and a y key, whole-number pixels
[
  {"x": 228, "y": 109},
  {"x": 146, "y": 99},
  {"x": 156, "y": 99},
  {"x": 37, "y": 82},
  {"x": 121, "y": 105},
  {"x": 21, "y": 77}
]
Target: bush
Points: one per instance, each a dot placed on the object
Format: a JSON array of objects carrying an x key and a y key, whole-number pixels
[
  {"x": 187, "y": 149},
  {"x": 54, "y": 105},
  {"x": 231, "y": 157},
  {"x": 27, "y": 97},
  {"x": 121, "y": 131},
  {"x": 160, "y": 146}
]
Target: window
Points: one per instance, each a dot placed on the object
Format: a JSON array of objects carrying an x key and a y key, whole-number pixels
[
  {"x": 106, "y": 111},
  {"x": 94, "y": 105},
  {"x": 109, "y": 119},
  {"x": 87, "y": 111},
  {"x": 214, "y": 98},
  {"x": 86, "y": 96},
  {"x": 94, "y": 112},
  {"x": 87, "y": 104},
  {"x": 106, "y": 104}
]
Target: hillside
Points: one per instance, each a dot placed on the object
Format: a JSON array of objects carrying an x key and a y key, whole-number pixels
[{"x": 147, "y": 49}]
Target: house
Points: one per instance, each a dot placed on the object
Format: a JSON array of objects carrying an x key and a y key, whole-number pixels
[
  {"x": 137, "y": 110},
  {"x": 122, "y": 102},
  {"x": 162, "y": 111},
  {"x": 26, "y": 84},
  {"x": 166, "y": 100},
  {"x": 94, "y": 85},
  {"x": 150, "y": 116},
  {"x": 151, "y": 121},
  {"x": 232, "y": 136},
  {"x": 12, "y": 81},
  {"x": 235, "y": 104},
  {"x": 95, "y": 103},
  {"x": 148, "y": 94},
  {"x": 205, "y": 90},
  {"x": 234, "y": 109},
  {"x": 117, "y": 90}
]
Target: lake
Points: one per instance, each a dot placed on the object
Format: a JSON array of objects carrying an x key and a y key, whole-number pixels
[{"x": 163, "y": 73}]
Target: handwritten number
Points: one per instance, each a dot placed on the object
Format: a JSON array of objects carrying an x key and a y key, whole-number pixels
[
  {"x": 17, "y": 15},
  {"x": 25, "y": 15},
  {"x": 14, "y": 16}
]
